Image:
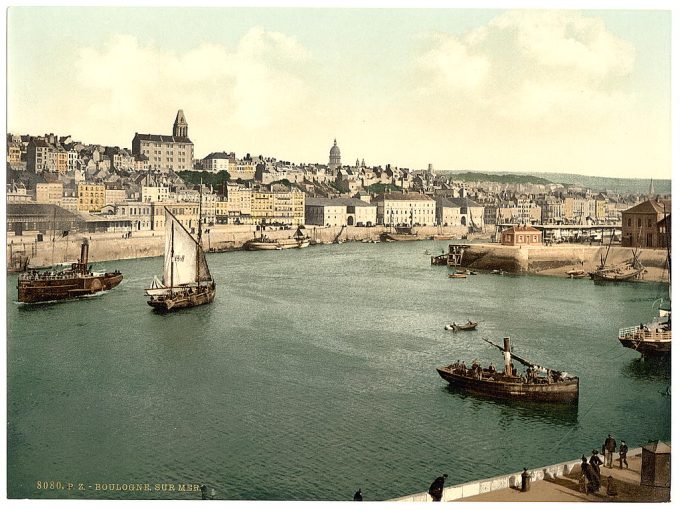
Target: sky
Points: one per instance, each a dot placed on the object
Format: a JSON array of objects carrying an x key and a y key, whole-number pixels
[{"x": 576, "y": 91}]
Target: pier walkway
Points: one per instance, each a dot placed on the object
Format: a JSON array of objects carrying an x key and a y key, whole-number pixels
[{"x": 556, "y": 483}]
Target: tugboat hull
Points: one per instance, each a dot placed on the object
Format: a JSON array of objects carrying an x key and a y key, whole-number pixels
[{"x": 59, "y": 289}]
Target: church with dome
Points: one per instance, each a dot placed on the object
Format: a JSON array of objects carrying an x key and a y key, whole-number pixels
[{"x": 334, "y": 158}]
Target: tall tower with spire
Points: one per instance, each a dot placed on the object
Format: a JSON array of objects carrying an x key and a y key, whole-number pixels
[
  {"x": 334, "y": 158},
  {"x": 180, "y": 128},
  {"x": 651, "y": 189}
]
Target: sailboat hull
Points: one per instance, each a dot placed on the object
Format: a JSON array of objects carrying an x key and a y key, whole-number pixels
[{"x": 184, "y": 299}]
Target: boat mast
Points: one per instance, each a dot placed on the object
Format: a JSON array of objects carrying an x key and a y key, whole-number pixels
[
  {"x": 172, "y": 254},
  {"x": 54, "y": 230},
  {"x": 198, "y": 245}
]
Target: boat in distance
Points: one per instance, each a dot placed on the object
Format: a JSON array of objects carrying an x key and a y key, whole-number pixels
[
  {"x": 187, "y": 281},
  {"x": 59, "y": 285},
  {"x": 468, "y": 326},
  {"x": 299, "y": 240},
  {"x": 508, "y": 384}
]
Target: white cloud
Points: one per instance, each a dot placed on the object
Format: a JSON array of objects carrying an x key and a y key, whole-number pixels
[
  {"x": 258, "y": 84},
  {"x": 529, "y": 66}
]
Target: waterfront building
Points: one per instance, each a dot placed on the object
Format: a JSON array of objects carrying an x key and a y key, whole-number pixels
[
  {"x": 338, "y": 212},
  {"x": 334, "y": 160},
  {"x": 237, "y": 205},
  {"x": 175, "y": 152},
  {"x": 45, "y": 218},
  {"x": 328, "y": 212},
  {"x": 405, "y": 209},
  {"x": 643, "y": 225},
  {"x": 447, "y": 213},
  {"x": 49, "y": 192},
  {"x": 471, "y": 213},
  {"x": 91, "y": 197},
  {"x": 521, "y": 235},
  {"x": 278, "y": 204},
  {"x": 600, "y": 207}
]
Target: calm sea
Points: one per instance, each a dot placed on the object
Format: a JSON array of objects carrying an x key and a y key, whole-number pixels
[{"x": 313, "y": 374}]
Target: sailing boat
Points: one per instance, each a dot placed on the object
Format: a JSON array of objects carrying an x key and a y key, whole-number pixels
[
  {"x": 627, "y": 271},
  {"x": 186, "y": 278}
]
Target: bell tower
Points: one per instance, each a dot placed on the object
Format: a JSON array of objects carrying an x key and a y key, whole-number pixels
[{"x": 180, "y": 127}]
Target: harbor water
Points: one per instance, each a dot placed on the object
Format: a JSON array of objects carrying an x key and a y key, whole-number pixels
[{"x": 313, "y": 374}]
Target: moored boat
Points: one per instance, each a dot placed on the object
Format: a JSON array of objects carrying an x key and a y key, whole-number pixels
[
  {"x": 457, "y": 275},
  {"x": 58, "y": 285},
  {"x": 399, "y": 234},
  {"x": 577, "y": 274},
  {"x": 508, "y": 384}
]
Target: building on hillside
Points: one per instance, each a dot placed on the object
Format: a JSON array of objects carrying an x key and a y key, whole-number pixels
[
  {"x": 91, "y": 197},
  {"x": 642, "y": 223},
  {"x": 114, "y": 196},
  {"x": 521, "y": 235},
  {"x": 49, "y": 192},
  {"x": 407, "y": 209},
  {"x": 165, "y": 153}
]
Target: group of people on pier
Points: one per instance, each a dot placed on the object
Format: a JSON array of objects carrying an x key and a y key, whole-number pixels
[{"x": 590, "y": 468}]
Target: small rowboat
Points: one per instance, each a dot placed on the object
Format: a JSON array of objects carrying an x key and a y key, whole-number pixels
[
  {"x": 457, "y": 275},
  {"x": 577, "y": 273},
  {"x": 469, "y": 326}
]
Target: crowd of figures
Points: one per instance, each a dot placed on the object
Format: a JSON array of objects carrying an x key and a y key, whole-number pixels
[
  {"x": 531, "y": 376},
  {"x": 591, "y": 479}
]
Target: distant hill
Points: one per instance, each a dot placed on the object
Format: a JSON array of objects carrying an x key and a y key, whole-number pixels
[
  {"x": 594, "y": 183},
  {"x": 610, "y": 183},
  {"x": 501, "y": 177}
]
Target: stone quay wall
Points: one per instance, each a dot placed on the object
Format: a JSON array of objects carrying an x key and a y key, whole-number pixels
[
  {"x": 466, "y": 490},
  {"x": 115, "y": 246},
  {"x": 558, "y": 259}
]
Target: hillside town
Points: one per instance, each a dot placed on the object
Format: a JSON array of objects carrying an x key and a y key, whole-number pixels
[{"x": 94, "y": 188}]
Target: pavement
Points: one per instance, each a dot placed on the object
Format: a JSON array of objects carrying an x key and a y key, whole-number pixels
[{"x": 566, "y": 489}]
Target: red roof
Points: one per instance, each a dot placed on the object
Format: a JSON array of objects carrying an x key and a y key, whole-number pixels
[{"x": 520, "y": 228}]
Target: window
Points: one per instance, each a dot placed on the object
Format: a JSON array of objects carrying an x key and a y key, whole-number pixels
[{"x": 639, "y": 222}]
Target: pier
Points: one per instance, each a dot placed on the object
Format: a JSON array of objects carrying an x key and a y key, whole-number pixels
[{"x": 555, "y": 483}]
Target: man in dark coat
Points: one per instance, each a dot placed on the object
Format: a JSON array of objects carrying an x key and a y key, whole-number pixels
[
  {"x": 358, "y": 496},
  {"x": 609, "y": 448},
  {"x": 437, "y": 488}
]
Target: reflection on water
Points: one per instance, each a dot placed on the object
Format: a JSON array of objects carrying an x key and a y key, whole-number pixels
[
  {"x": 554, "y": 413},
  {"x": 656, "y": 369}
]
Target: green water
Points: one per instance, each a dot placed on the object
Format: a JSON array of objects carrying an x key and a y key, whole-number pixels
[{"x": 313, "y": 374}]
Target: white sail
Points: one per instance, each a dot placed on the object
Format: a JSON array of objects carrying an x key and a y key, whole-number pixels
[
  {"x": 157, "y": 288},
  {"x": 203, "y": 271},
  {"x": 180, "y": 253}
]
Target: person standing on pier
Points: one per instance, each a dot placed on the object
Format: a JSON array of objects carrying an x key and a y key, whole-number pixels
[
  {"x": 623, "y": 451},
  {"x": 437, "y": 488},
  {"x": 358, "y": 496},
  {"x": 608, "y": 450},
  {"x": 595, "y": 463}
]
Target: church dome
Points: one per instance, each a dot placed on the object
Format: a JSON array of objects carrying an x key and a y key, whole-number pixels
[{"x": 335, "y": 150}]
